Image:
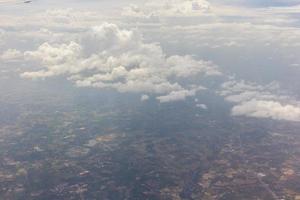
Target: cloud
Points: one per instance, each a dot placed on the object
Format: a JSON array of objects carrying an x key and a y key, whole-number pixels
[
  {"x": 185, "y": 7},
  {"x": 107, "y": 56},
  {"x": 61, "y": 43},
  {"x": 259, "y": 101},
  {"x": 267, "y": 109},
  {"x": 170, "y": 12},
  {"x": 2, "y": 36},
  {"x": 168, "y": 8},
  {"x": 145, "y": 97},
  {"x": 133, "y": 10},
  {"x": 11, "y": 55},
  {"x": 56, "y": 19},
  {"x": 202, "y": 106},
  {"x": 239, "y": 91},
  {"x": 177, "y": 95}
]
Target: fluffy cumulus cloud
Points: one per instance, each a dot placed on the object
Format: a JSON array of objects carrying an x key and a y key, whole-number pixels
[
  {"x": 267, "y": 109},
  {"x": 254, "y": 100},
  {"x": 107, "y": 56}
]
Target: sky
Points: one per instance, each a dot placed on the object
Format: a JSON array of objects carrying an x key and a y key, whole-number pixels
[{"x": 162, "y": 50}]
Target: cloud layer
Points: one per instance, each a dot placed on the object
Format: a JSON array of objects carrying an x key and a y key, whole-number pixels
[
  {"x": 162, "y": 49},
  {"x": 107, "y": 56}
]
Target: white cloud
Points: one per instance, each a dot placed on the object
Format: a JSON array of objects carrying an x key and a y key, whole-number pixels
[
  {"x": 168, "y": 8},
  {"x": 54, "y": 55},
  {"x": 178, "y": 95},
  {"x": 226, "y": 30},
  {"x": 145, "y": 97},
  {"x": 202, "y": 106},
  {"x": 192, "y": 66},
  {"x": 267, "y": 109},
  {"x": 11, "y": 55},
  {"x": 133, "y": 10},
  {"x": 210, "y": 11},
  {"x": 109, "y": 57},
  {"x": 185, "y": 7},
  {"x": 254, "y": 100}
]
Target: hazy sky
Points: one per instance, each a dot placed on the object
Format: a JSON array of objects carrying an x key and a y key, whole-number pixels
[{"x": 167, "y": 50}]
